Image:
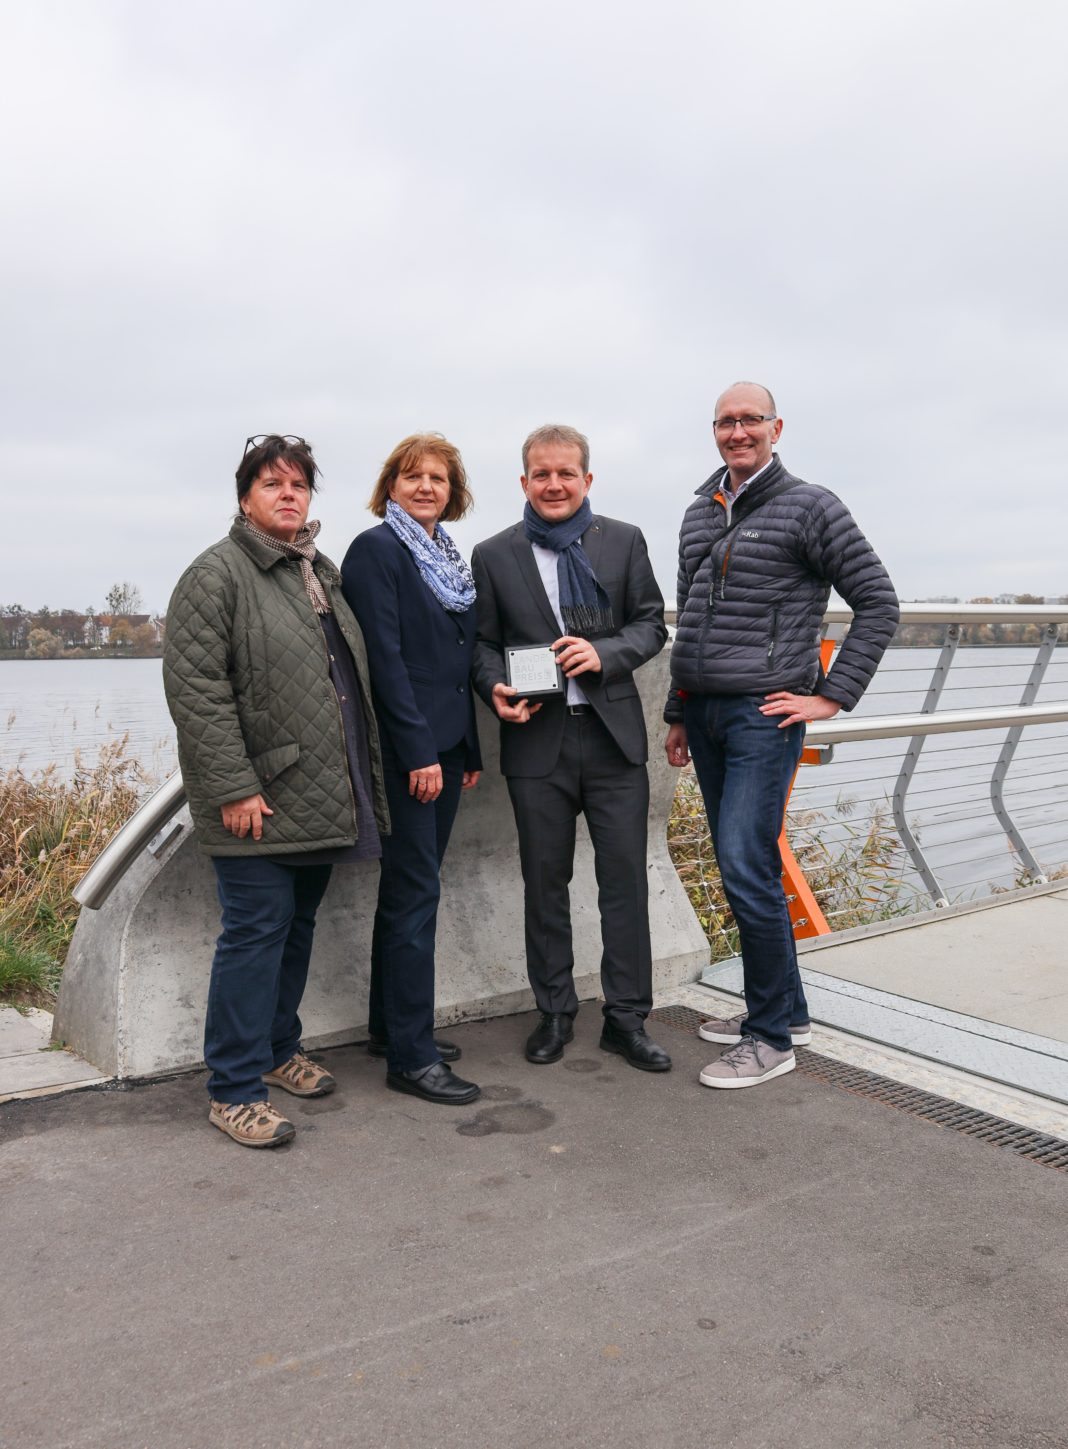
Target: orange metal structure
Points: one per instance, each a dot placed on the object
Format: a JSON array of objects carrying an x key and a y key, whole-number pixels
[{"x": 807, "y": 918}]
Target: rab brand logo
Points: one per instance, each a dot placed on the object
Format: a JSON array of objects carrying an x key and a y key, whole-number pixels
[{"x": 750, "y": 533}]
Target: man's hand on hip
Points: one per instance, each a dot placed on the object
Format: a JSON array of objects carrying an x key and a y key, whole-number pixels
[
  {"x": 576, "y": 656},
  {"x": 799, "y": 708},
  {"x": 675, "y": 746},
  {"x": 511, "y": 708}
]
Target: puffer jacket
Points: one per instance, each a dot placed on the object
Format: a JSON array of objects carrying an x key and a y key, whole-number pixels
[
  {"x": 247, "y": 678},
  {"x": 752, "y": 594}
]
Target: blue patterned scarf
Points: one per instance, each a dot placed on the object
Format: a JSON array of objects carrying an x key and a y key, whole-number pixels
[
  {"x": 584, "y": 605},
  {"x": 440, "y": 564}
]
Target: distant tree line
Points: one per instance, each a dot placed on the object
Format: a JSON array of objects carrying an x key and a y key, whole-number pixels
[
  {"x": 120, "y": 630},
  {"x": 123, "y": 630}
]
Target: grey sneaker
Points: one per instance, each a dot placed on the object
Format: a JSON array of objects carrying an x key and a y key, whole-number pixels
[
  {"x": 730, "y": 1031},
  {"x": 747, "y": 1064}
]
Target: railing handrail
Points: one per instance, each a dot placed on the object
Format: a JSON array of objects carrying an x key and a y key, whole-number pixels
[
  {"x": 966, "y": 614},
  {"x": 128, "y": 842},
  {"x": 948, "y": 721}
]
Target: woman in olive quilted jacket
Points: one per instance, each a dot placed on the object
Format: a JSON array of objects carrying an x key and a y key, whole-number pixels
[{"x": 266, "y": 678}]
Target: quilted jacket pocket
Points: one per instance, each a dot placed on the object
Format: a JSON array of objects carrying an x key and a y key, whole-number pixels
[{"x": 272, "y": 762}]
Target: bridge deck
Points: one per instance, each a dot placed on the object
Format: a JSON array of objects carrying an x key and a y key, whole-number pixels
[{"x": 590, "y": 1256}]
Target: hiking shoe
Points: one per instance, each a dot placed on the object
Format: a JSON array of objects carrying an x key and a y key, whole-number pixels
[
  {"x": 253, "y": 1124},
  {"x": 747, "y": 1064},
  {"x": 730, "y": 1031},
  {"x": 301, "y": 1076}
]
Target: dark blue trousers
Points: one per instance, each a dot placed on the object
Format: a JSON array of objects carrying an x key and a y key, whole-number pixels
[
  {"x": 259, "y": 971},
  {"x": 406, "y": 920},
  {"x": 744, "y": 764}
]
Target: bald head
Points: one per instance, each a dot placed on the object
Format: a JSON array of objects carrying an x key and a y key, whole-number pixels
[{"x": 767, "y": 402}]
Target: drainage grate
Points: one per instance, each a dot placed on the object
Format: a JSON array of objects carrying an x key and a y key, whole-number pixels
[{"x": 1038, "y": 1146}]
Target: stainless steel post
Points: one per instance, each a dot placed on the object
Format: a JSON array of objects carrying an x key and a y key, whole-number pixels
[
  {"x": 1031, "y": 866},
  {"x": 911, "y": 760}
]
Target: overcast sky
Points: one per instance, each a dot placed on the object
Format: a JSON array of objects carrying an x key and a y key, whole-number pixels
[{"x": 354, "y": 221}]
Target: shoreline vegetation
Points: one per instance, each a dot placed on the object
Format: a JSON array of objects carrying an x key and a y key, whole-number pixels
[
  {"x": 908, "y": 636},
  {"x": 51, "y": 830},
  {"x": 124, "y": 632},
  {"x": 9, "y": 655}
]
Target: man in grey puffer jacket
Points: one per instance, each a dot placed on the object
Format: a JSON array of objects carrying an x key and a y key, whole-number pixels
[{"x": 758, "y": 553}]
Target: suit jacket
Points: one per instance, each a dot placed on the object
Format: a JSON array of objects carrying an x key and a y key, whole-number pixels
[
  {"x": 419, "y": 654},
  {"x": 513, "y": 609}
]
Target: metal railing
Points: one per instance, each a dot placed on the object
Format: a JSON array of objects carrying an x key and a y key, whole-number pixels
[
  {"x": 147, "y": 828},
  {"x": 950, "y": 777}
]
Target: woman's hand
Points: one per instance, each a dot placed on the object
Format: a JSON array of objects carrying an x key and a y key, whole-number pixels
[
  {"x": 471, "y": 779},
  {"x": 425, "y": 784},
  {"x": 241, "y": 816}
]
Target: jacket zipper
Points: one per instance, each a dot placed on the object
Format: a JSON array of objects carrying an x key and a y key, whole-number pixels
[{"x": 774, "y": 634}]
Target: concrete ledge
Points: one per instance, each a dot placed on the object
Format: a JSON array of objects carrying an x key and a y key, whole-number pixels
[{"x": 135, "y": 985}]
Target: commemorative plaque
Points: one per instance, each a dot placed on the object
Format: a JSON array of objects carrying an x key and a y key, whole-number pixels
[{"x": 533, "y": 670}]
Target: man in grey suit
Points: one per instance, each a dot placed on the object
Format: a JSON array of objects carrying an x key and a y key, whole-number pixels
[{"x": 582, "y": 584}]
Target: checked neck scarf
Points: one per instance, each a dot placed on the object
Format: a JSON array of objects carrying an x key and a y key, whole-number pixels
[{"x": 302, "y": 548}]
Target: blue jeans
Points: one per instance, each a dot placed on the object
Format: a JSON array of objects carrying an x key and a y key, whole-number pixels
[
  {"x": 744, "y": 764},
  {"x": 401, "y": 1008},
  {"x": 259, "y": 971}
]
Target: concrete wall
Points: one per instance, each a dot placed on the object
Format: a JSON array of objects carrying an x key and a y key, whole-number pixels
[{"x": 135, "y": 984}]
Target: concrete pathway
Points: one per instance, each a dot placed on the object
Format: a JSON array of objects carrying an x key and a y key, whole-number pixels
[
  {"x": 29, "y": 1064},
  {"x": 589, "y": 1256}
]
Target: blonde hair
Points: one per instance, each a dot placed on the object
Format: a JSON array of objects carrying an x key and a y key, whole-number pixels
[
  {"x": 560, "y": 435},
  {"x": 407, "y": 454}
]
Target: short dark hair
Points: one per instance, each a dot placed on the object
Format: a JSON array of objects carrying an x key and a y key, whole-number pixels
[
  {"x": 407, "y": 454},
  {"x": 557, "y": 435},
  {"x": 276, "y": 448}
]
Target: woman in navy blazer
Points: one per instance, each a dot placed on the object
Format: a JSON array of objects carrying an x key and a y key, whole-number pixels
[{"x": 415, "y": 600}]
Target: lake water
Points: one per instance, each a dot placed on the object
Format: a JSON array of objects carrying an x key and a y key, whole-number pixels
[{"x": 52, "y": 709}]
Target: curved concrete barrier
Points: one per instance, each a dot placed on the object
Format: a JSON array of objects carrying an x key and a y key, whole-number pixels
[{"x": 135, "y": 985}]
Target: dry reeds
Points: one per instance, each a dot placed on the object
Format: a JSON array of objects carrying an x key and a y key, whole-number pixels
[
  {"x": 51, "y": 830},
  {"x": 855, "y": 869}
]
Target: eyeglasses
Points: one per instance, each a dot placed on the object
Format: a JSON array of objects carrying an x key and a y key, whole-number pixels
[
  {"x": 748, "y": 423},
  {"x": 258, "y": 439}
]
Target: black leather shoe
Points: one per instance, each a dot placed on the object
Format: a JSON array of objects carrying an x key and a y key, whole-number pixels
[
  {"x": 636, "y": 1047},
  {"x": 448, "y": 1051},
  {"x": 547, "y": 1041},
  {"x": 436, "y": 1083}
]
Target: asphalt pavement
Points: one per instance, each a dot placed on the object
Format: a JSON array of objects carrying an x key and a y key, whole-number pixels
[{"x": 589, "y": 1256}]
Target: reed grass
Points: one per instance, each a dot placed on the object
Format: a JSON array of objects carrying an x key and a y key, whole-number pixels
[
  {"x": 51, "y": 830},
  {"x": 857, "y": 879}
]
